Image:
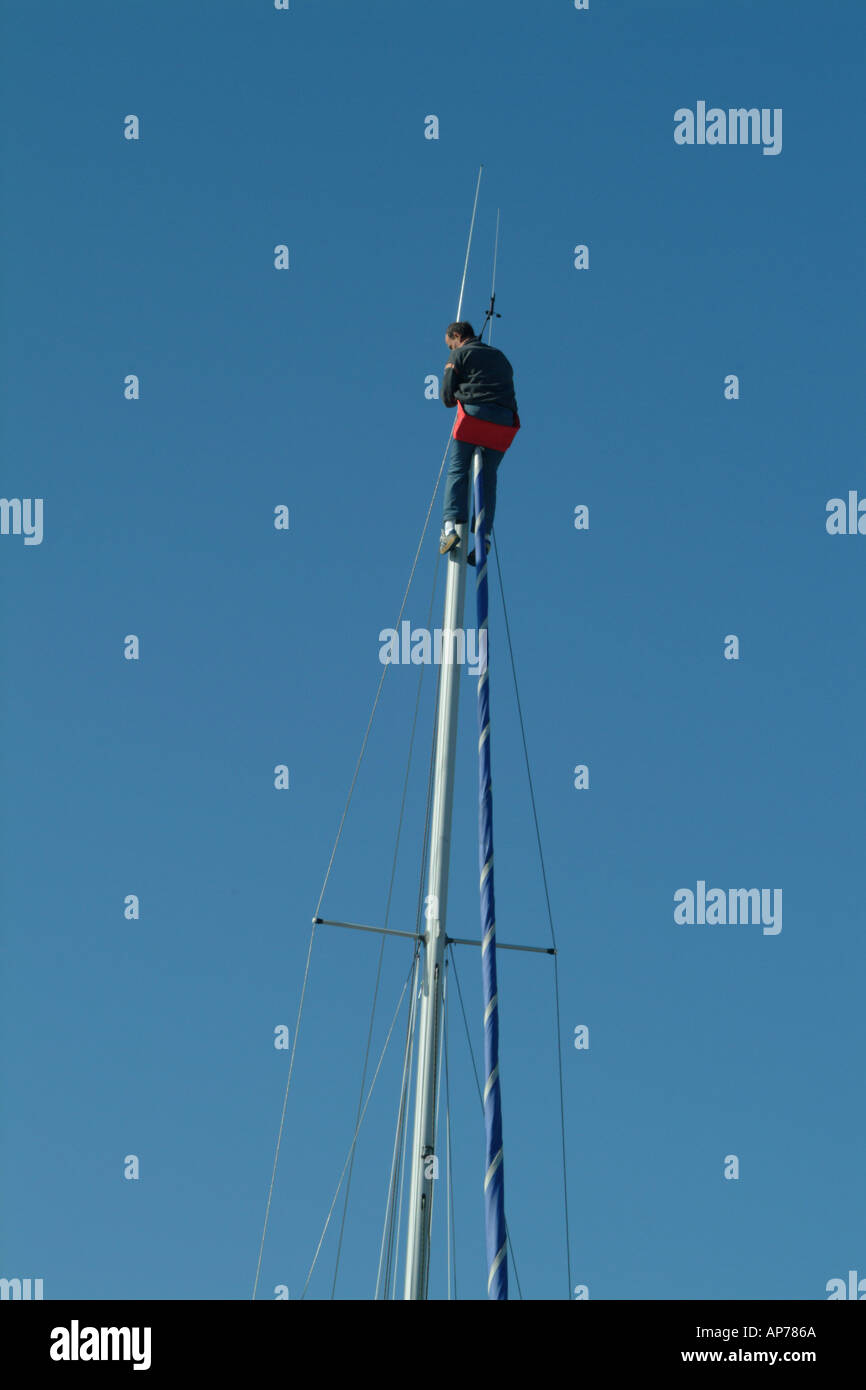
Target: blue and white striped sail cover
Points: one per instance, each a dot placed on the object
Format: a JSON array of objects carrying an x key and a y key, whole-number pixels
[{"x": 494, "y": 1176}]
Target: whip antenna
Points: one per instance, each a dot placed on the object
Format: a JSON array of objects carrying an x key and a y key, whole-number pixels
[
  {"x": 491, "y": 315},
  {"x": 469, "y": 245}
]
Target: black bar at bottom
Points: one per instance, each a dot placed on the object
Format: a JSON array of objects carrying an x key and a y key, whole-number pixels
[{"x": 212, "y": 1341}]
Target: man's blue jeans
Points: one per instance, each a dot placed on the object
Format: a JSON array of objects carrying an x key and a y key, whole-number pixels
[{"x": 460, "y": 470}]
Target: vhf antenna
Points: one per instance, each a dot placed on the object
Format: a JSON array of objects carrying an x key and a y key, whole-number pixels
[{"x": 491, "y": 313}]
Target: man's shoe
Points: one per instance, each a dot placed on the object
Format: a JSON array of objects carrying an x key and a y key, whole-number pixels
[
  {"x": 470, "y": 559},
  {"x": 447, "y": 541}
]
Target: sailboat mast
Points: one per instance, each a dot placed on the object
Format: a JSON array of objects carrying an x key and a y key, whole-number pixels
[
  {"x": 424, "y": 1162},
  {"x": 423, "y": 1155}
]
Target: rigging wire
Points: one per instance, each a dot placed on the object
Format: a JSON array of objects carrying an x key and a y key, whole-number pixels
[
  {"x": 449, "y": 1191},
  {"x": 381, "y": 683},
  {"x": 328, "y": 874},
  {"x": 411, "y": 576},
  {"x": 549, "y": 918},
  {"x": 385, "y": 924},
  {"x": 283, "y": 1114},
  {"x": 399, "y": 1138},
  {"x": 361, "y": 1096},
  {"x": 436, "y": 1114},
  {"x": 398, "y": 1212},
  {"x": 358, "y": 1125}
]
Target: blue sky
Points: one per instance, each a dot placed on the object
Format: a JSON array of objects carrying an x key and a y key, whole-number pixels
[{"x": 257, "y": 647}]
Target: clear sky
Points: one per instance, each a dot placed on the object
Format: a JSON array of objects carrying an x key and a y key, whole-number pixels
[{"x": 259, "y": 647}]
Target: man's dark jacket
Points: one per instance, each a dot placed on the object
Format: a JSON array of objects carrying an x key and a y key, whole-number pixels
[{"x": 478, "y": 374}]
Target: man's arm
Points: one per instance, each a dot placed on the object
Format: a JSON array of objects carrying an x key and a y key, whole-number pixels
[{"x": 450, "y": 382}]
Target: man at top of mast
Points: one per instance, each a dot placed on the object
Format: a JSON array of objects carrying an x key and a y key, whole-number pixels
[{"x": 481, "y": 378}]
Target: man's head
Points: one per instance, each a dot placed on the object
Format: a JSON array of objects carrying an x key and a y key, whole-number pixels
[{"x": 459, "y": 333}]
